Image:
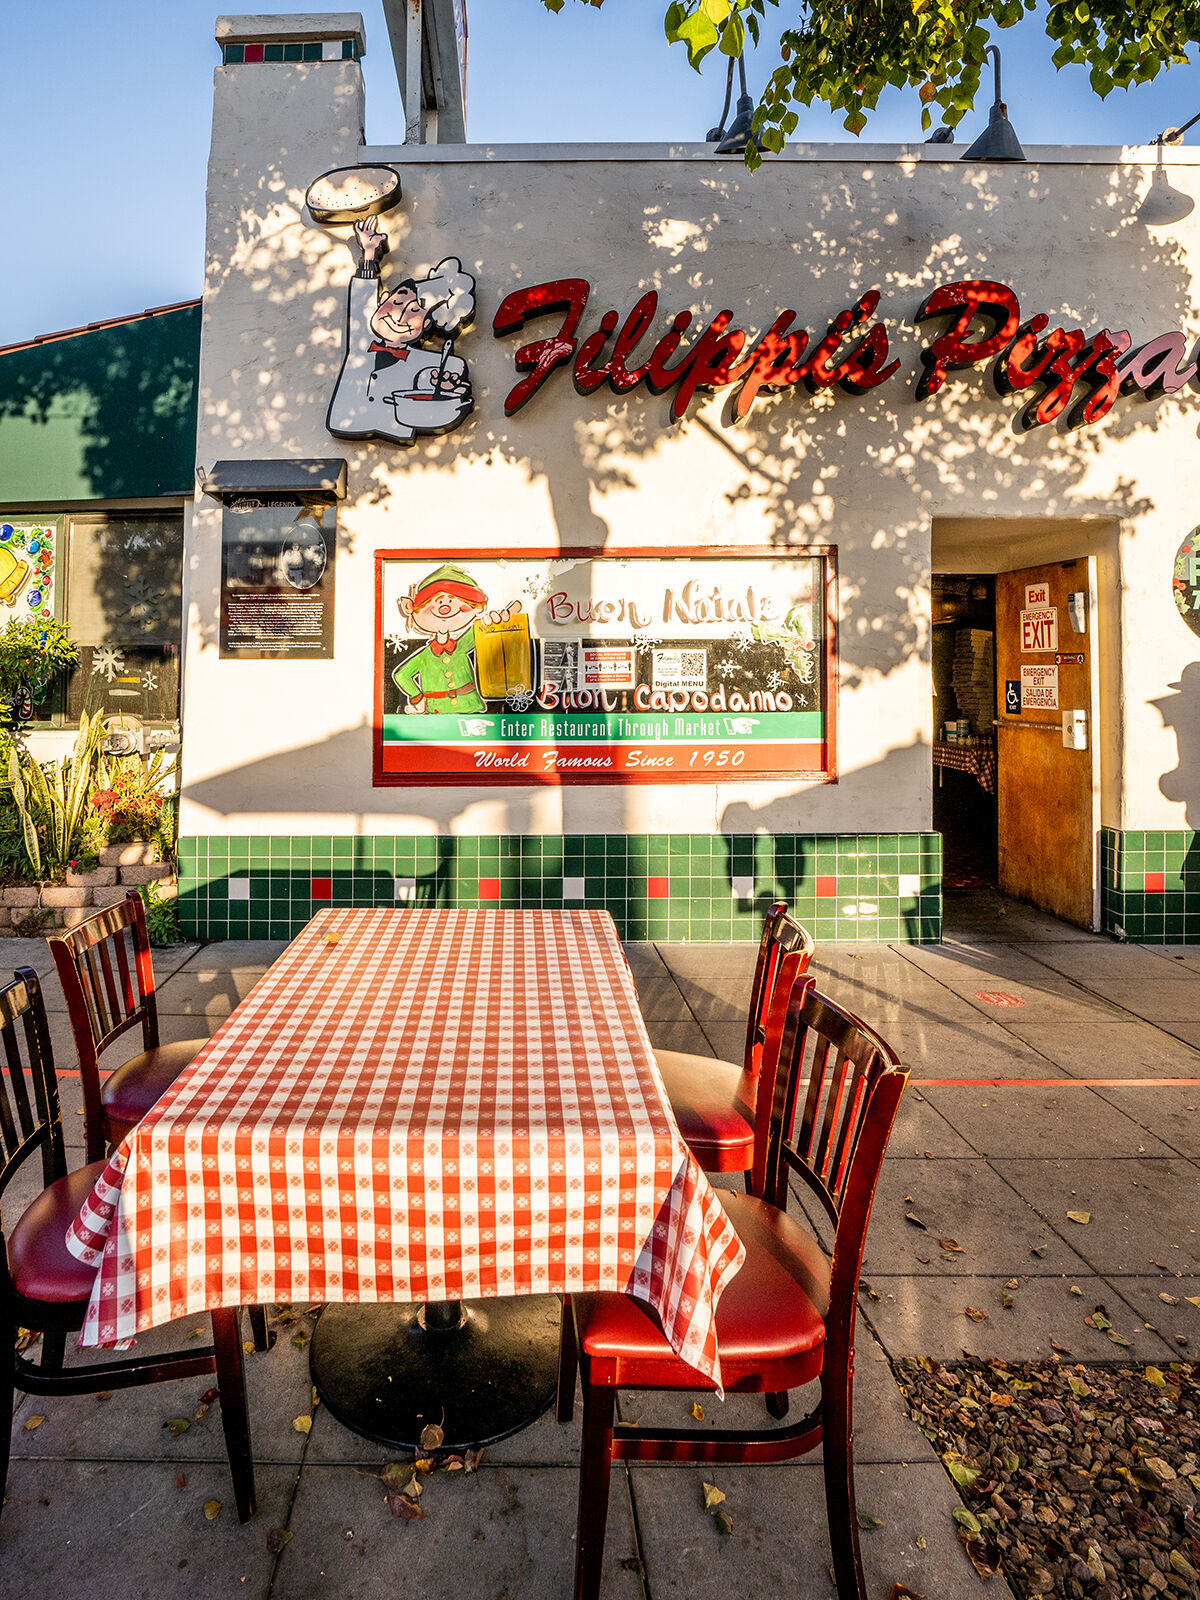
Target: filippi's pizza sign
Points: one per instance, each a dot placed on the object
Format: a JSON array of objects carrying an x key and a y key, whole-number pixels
[
  {"x": 401, "y": 375},
  {"x": 1061, "y": 371}
]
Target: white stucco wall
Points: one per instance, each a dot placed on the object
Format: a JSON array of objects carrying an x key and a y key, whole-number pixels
[{"x": 285, "y": 747}]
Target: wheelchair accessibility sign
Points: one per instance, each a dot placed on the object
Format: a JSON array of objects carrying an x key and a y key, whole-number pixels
[{"x": 1012, "y": 697}]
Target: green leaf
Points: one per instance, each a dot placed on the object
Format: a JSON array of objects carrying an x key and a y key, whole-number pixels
[
  {"x": 733, "y": 37},
  {"x": 961, "y": 1471},
  {"x": 967, "y": 1519},
  {"x": 700, "y": 34}
]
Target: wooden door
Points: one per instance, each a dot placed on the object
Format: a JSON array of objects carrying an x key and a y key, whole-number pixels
[{"x": 1047, "y": 794}]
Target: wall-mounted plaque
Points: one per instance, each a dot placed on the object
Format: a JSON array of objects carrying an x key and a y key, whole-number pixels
[{"x": 277, "y": 564}]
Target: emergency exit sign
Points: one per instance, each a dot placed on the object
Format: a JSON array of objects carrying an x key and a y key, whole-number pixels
[{"x": 1039, "y": 630}]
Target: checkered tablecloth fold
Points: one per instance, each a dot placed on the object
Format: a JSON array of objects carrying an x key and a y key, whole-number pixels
[{"x": 416, "y": 1105}]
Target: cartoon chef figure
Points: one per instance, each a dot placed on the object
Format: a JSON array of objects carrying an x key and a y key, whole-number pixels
[
  {"x": 440, "y": 677},
  {"x": 390, "y": 386}
]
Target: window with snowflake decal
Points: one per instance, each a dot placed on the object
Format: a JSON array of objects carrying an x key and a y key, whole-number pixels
[
  {"x": 29, "y": 587},
  {"x": 124, "y": 608}
]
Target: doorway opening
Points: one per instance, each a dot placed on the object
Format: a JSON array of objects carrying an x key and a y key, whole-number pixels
[
  {"x": 964, "y": 739},
  {"x": 1044, "y": 593}
]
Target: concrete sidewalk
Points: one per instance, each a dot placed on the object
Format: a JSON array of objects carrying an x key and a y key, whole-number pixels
[{"x": 1082, "y": 1097}]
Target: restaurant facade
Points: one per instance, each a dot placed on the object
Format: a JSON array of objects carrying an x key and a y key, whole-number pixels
[{"x": 608, "y": 526}]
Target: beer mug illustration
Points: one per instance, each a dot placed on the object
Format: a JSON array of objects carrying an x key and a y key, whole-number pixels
[{"x": 504, "y": 657}]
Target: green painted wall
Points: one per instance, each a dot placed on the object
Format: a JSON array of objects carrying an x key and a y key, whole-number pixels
[{"x": 103, "y": 415}]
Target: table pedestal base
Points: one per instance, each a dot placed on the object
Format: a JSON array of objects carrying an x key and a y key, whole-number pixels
[{"x": 482, "y": 1370}]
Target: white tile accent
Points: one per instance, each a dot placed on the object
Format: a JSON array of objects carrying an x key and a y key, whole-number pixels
[
  {"x": 239, "y": 888},
  {"x": 743, "y": 888},
  {"x": 910, "y": 885},
  {"x": 331, "y": 49},
  {"x": 574, "y": 889},
  {"x": 405, "y": 889}
]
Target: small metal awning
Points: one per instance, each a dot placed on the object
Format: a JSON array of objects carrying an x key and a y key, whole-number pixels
[{"x": 224, "y": 479}]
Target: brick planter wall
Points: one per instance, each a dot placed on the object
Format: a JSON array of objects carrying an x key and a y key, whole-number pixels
[{"x": 65, "y": 905}]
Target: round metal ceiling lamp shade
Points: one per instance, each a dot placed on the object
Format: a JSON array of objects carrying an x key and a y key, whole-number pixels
[{"x": 997, "y": 142}]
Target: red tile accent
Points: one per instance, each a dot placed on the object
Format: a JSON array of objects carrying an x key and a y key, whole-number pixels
[
  {"x": 826, "y": 888},
  {"x": 254, "y": 52},
  {"x": 489, "y": 888},
  {"x": 322, "y": 889},
  {"x": 658, "y": 888},
  {"x": 1156, "y": 883}
]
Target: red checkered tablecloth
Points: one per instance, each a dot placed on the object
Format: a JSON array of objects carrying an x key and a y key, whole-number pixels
[
  {"x": 977, "y": 759},
  {"x": 416, "y": 1105}
]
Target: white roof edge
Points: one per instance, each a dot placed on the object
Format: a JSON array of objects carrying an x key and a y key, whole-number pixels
[{"x": 1050, "y": 155}]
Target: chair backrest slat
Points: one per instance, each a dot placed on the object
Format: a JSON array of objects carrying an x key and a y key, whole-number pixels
[
  {"x": 28, "y": 1123},
  {"x": 838, "y": 1061},
  {"x": 107, "y": 977},
  {"x": 782, "y": 935}
]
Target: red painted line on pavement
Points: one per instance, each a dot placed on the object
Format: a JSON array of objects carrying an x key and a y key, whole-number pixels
[{"x": 1057, "y": 1083}]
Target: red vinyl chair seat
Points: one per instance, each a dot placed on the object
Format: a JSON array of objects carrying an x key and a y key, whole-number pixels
[
  {"x": 773, "y": 1310},
  {"x": 140, "y": 1082},
  {"x": 42, "y": 1267},
  {"x": 713, "y": 1102}
]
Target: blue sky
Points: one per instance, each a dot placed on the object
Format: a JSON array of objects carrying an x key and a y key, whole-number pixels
[{"x": 106, "y": 126}]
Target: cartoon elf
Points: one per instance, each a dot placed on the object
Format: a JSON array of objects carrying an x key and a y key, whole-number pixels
[{"x": 440, "y": 676}]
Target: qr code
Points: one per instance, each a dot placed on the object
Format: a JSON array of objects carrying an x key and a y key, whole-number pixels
[{"x": 680, "y": 669}]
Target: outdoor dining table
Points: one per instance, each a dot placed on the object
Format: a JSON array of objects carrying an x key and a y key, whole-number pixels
[{"x": 427, "y": 1122}]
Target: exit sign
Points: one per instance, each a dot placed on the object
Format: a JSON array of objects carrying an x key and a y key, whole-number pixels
[{"x": 1039, "y": 629}]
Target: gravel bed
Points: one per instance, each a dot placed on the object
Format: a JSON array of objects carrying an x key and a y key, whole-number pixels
[{"x": 1076, "y": 1480}]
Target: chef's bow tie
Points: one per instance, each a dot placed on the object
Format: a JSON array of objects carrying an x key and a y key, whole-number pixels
[
  {"x": 442, "y": 647},
  {"x": 375, "y": 348}
]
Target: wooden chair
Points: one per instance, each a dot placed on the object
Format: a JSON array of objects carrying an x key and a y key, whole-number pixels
[
  {"x": 787, "y": 1318},
  {"x": 44, "y": 1288},
  {"x": 714, "y": 1100},
  {"x": 107, "y": 976}
]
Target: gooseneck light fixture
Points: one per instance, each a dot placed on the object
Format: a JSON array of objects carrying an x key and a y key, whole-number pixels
[
  {"x": 741, "y": 132},
  {"x": 997, "y": 142},
  {"x": 715, "y": 135}
]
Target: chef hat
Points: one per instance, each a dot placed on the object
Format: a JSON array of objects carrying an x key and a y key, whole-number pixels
[{"x": 448, "y": 295}]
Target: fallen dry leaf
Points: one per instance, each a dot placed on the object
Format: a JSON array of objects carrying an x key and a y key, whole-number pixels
[
  {"x": 983, "y": 1551},
  {"x": 177, "y": 1425},
  {"x": 910, "y": 1216},
  {"x": 724, "y": 1522},
  {"x": 975, "y": 1314},
  {"x": 432, "y": 1437},
  {"x": 867, "y": 1521},
  {"x": 1153, "y": 1375},
  {"x": 302, "y": 1424},
  {"x": 1169, "y": 1299},
  {"x": 952, "y": 1245},
  {"x": 276, "y": 1540},
  {"x": 697, "y": 1411},
  {"x": 1060, "y": 1349},
  {"x": 712, "y": 1496},
  {"x": 901, "y": 1593},
  {"x": 212, "y": 1510},
  {"x": 401, "y": 1506},
  {"x": 33, "y": 1422},
  {"x": 1039, "y": 1250},
  {"x": 1079, "y": 1216},
  {"x": 471, "y": 1459}
]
